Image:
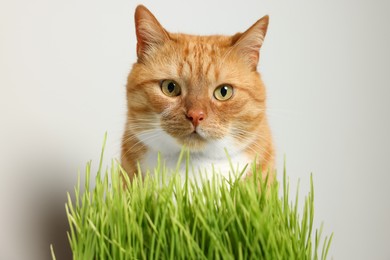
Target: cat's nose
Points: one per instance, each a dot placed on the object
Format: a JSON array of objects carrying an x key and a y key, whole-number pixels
[{"x": 195, "y": 116}]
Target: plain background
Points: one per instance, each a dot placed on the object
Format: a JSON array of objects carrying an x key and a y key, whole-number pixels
[{"x": 63, "y": 69}]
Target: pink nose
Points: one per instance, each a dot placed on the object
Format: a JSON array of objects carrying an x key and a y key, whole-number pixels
[{"x": 195, "y": 116}]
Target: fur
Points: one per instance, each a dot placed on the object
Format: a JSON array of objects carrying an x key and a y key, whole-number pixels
[{"x": 157, "y": 123}]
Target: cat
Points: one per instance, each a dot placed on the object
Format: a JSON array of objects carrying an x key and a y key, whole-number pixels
[{"x": 199, "y": 92}]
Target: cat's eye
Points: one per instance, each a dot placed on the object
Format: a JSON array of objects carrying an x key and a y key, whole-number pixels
[
  {"x": 223, "y": 92},
  {"x": 170, "y": 88}
]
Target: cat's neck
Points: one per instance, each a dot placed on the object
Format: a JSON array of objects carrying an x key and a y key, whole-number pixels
[
  {"x": 219, "y": 156},
  {"x": 199, "y": 164}
]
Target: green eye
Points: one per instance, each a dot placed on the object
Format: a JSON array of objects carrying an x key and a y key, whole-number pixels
[
  {"x": 170, "y": 88},
  {"x": 223, "y": 92}
]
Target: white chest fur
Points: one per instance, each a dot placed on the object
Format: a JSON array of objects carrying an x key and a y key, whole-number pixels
[{"x": 212, "y": 158}]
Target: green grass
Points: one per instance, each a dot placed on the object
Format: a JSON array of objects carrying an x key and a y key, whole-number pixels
[{"x": 163, "y": 218}]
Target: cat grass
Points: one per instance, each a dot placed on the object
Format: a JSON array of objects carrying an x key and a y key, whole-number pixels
[{"x": 166, "y": 218}]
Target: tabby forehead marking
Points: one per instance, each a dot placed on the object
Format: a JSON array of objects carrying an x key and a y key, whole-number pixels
[{"x": 197, "y": 60}]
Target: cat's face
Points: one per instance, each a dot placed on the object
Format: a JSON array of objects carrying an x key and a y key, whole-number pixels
[{"x": 196, "y": 91}]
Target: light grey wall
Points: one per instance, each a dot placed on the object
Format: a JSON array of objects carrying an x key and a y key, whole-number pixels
[{"x": 63, "y": 68}]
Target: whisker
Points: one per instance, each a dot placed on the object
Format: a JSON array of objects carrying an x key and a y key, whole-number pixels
[
  {"x": 244, "y": 136},
  {"x": 140, "y": 140}
]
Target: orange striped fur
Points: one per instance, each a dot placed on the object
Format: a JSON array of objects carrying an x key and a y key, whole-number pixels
[{"x": 195, "y": 118}]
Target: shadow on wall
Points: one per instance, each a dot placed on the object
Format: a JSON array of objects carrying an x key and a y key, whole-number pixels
[
  {"x": 46, "y": 207},
  {"x": 39, "y": 170},
  {"x": 55, "y": 226}
]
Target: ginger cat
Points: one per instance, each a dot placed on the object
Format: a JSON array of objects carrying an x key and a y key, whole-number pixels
[{"x": 201, "y": 92}]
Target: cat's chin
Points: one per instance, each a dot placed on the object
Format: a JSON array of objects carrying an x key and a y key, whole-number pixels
[{"x": 193, "y": 141}]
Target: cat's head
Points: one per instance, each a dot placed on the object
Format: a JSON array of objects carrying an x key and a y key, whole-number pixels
[{"x": 197, "y": 91}]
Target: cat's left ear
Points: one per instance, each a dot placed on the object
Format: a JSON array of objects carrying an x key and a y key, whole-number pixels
[{"x": 248, "y": 44}]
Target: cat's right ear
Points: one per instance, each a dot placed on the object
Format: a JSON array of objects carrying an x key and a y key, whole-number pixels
[{"x": 149, "y": 31}]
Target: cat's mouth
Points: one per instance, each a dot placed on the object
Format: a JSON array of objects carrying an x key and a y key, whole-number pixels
[
  {"x": 195, "y": 134},
  {"x": 194, "y": 140},
  {"x": 199, "y": 133}
]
